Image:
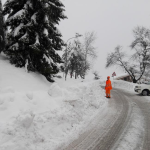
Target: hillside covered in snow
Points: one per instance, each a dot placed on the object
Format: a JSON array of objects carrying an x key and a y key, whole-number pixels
[{"x": 37, "y": 114}]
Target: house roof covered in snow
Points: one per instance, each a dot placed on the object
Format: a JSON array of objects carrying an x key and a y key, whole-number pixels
[{"x": 121, "y": 75}]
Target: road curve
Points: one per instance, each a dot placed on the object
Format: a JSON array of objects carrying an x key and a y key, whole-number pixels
[{"x": 124, "y": 125}]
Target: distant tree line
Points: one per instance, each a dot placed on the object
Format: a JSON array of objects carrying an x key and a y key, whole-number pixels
[
  {"x": 30, "y": 39},
  {"x": 137, "y": 64},
  {"x": 77, "y": 56}
]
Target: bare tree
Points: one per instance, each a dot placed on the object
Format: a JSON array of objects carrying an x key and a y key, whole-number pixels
[
  {"x": 88, "y": 48},
  {"x": 139, "y": 62}
]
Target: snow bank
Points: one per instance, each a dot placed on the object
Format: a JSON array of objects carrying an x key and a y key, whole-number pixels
[
  {"x": 47, "y": 119},
  {"x": 18, "y": 80},
  {"x": 36, "y": 114},
  {"x": 129, "y": 86},
  {"x": 123, "y": 85}
]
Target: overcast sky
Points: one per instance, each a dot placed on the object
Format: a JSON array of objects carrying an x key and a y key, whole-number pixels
[{"x": 112, "y": 21}]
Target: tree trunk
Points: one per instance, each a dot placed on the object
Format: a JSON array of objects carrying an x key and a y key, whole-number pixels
[
  {"x": 75, "y": 75},
  {"x": 85, "y": 65},
  {"x": 66, "y": 72},
  {"x": 81, "y": 76},
  {"x": 70, "y": 75},
  {"x": 134, "y": 81}
]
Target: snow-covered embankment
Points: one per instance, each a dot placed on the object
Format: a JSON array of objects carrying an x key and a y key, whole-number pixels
[{"x": 44, "y": 119}]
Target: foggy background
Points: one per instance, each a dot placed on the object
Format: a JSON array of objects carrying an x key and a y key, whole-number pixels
[{"x": 111, "y": 20}]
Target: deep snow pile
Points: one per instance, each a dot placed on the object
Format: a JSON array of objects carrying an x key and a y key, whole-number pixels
[
  {"x": 36, "y": 114},
  {"x": 129, "y": 86},
  {"x": 123, "y": 85}
]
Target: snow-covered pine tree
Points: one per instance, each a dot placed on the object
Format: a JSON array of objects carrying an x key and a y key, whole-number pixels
[
  {"x": 2, "y": 32},
  {"x": 32, "y": 34},
  {"x": 75, "y": 59}
]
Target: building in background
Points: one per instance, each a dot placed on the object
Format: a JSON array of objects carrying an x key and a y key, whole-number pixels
[{"x": 124, "y": 77}]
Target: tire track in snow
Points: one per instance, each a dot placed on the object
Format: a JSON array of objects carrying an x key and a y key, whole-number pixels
[
  {"x": 132, "y": 136},
  {"x": 109, "y": 139},
  {"x": 144, "y": 106},
  {"x": 128, "y": 127},
  {"x": 107, "y": 123}
]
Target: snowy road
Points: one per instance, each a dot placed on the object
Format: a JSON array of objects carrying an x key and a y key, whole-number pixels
[{"x": 124, "y": 125}]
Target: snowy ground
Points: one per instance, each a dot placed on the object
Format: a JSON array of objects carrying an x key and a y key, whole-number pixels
[
  {"x": 128, "y": 86},
  {"x": 38, "y": 115}
]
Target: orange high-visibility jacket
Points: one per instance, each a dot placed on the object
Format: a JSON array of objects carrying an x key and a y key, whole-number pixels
[{"x": 108, "y": 85}]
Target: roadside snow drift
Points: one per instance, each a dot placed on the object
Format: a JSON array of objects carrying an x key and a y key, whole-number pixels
[
  {"x": 129, "y": 86},
  {"x": 38, "y": 115}
]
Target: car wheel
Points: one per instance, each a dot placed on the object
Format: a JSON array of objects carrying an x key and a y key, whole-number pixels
[{"x": 144, "y": 92}]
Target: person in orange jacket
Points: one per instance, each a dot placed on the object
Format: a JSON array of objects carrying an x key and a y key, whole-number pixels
[{"x": 108, "y": 87}]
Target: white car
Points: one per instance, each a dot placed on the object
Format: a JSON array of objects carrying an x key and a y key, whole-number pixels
[{"x": 143, "y": 89}]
